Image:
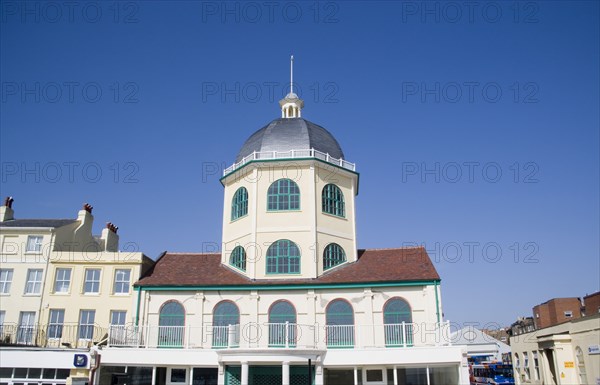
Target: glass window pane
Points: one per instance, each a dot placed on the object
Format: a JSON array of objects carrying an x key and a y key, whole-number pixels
[
  {"x": 62, "y": 374},
  {"x": 49, "y": 373}
]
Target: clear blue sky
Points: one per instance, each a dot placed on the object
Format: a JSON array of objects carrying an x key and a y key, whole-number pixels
[{"x": 475, "y": 128}]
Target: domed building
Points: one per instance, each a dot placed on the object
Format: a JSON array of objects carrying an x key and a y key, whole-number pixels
[
  {"x": 289, "y": 199},
  {"x": 290, "y": 299}
]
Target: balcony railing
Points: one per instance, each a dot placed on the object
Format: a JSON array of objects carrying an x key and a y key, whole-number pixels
[
  {"x": 54, "y": 335},
  {"x": 292, "y": 154},
  {"x": 281, "y": 335}
]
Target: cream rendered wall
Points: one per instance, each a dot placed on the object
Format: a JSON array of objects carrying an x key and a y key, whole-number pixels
[
  {"x": 105, "y": 300},
  {"x": 310, "y": 307},
  {"x": 14, "y": 256},
  {"x": 562, "y": 340},
  {"x": 308, "y": 227}
]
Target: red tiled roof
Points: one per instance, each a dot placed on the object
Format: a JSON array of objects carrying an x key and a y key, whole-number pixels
[{"x": 374, "y": 265}]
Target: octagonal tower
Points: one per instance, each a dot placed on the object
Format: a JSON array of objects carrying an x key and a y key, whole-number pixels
[{"x": 289, "y": 202}]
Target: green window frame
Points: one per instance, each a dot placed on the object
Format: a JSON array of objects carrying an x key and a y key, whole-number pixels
[
  {"x": 283, "y": 257},
  {"x": 225, "y": 314},
  {"x": 340, "y": 324},
  {"x": 397, "y": 321},
  {"x": 333, "y": 255},
  {"x": 281, "y": 312},
  {"x": 283, "y": 195},
  {"x": 239, "y": 204},
  {"x": 333, "y": 201},
  {"x": 171, "y": 323},
  {"x": 238, "y": 258}
]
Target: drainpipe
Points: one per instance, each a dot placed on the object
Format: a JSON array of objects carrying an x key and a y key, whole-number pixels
[
  {"x": 96, "y": 366},
  {"x": 437, "y": 302},
  {"x": 137, "y": 310},
  {"x": 43, "y": 288}
]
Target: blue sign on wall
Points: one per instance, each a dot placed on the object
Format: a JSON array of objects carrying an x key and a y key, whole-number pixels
[{"x": 80, "y": 360}]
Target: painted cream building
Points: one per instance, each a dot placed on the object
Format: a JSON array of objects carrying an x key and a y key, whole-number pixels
[
  {"x": 290, "y": 286},
  {"x": 60, "y": 288},
  {"x": 567, "y": 353}
]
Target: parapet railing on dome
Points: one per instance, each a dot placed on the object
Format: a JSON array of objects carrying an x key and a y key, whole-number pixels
[{"x": 291, "y": 154}]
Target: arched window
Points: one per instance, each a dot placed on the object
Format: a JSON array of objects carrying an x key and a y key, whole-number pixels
[
  {"x": 340, "y": 324},
  {"x": 171, "y": 324},
  {"x": 238, "y": 258},
  {"x": 282, "y": 324},
  {"x": 239, "y": 204},
  {"x": 397, "y": 322},
  {"x": 226, "y": 322},
  {"x": 581, "y": 365},
  {"x": 283, "y": 257},
  {"x": 333, "y": 256},
  {"x": 333, "y": 201},
  {"x": 283, "y": 194}
]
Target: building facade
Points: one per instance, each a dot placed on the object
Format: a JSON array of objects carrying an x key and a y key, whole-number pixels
[
  {"x": 567, "y": 353},
  {"x": 290, "y": 296},
  {"x": 60, "y": 288},
  {"x": 555, "y": 311}
]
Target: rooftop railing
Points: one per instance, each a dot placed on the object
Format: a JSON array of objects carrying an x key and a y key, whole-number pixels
[
  {"x": 281, "y": 335},
  {"x": 292, "y": 154}
]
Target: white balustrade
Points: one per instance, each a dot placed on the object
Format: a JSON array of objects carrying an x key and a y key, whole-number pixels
[{"x": 292, "y": 154}]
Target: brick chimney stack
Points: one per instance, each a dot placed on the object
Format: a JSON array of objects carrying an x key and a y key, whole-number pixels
[{"x": 110, "y": 238}]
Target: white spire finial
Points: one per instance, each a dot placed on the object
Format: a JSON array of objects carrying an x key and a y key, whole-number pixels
[
  {"x": 291, "y": 104},
  {"x": 292, "y": 74}
]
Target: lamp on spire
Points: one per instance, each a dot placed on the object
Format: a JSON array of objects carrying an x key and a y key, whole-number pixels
[{"x": 291, "y": 105}]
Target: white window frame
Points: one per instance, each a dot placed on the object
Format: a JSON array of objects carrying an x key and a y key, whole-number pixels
[
  {"x": 383, "y": 374},
  {"x": 120, "y": 312},
  {"x": 170, "y": 375},
  {"x": 56, "y": 323},
  {"x": 33, "y": 285},
  {"x": 60, "y": 278},
  {"x": 536, "y": 365},
  {"x": 118, "y": 283},
  {"x": 6, "y": 276},
  {"x": 94, "y": 281},
  {"x": 34, "y": 244},
  {"x": 568, "y": 313},
  {"x": 86, "y": 324}
]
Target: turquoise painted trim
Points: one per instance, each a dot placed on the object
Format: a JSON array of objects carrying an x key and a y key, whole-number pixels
[
  {"x": 289, "y": 194},
  {"x": 437, "y": 301},
  {"x": 137, "y": 310},
  {"x": 290, "y": 287},
  {"x": 287, "y": 159}
]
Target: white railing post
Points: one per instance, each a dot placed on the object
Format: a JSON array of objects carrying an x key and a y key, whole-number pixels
[
  {"x": 230, "y": 336},
  {"x": 403, "y": 334},
  {"x": 138, "y": 335},
  {"x": 146, "y": 334},
  {"x": 186, "y": 333},
  {"x": 286, "y": 334}
]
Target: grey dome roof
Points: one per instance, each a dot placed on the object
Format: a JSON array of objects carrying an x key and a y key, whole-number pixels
[{"x": 287, "y": 134}]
